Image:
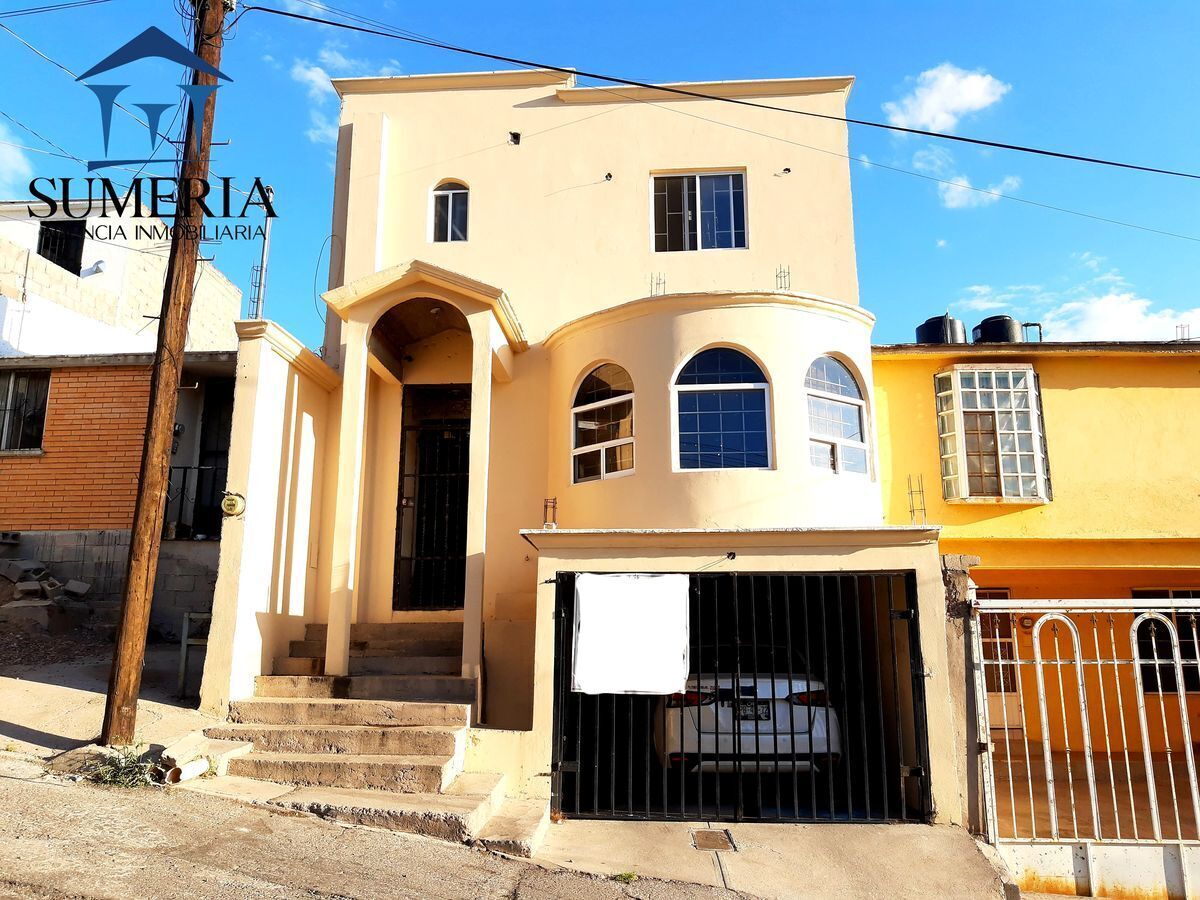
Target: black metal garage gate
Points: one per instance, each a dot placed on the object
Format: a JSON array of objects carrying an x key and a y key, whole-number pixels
[{"x": 805, "y": 703}]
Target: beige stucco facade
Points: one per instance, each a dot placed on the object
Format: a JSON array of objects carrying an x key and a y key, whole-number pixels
[{"x": 558, "y": 275}]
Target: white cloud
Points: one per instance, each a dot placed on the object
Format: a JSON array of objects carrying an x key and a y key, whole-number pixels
[
  {"x": 955, "y": 189},
  {"x": 1115, "y": 316},
  {"x": 959, "y": 193},
  {"x": 865, "y": 160},
  {"x": 15, "y": 168},
  {"x": 332, "y": 62},
  {"x": 1101, "y": 307},
  {"x": 942, "y": 96},
  {"x": 941, "y": 243}
]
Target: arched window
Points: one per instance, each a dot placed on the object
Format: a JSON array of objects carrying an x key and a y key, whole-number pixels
[
  {"x": 721, "y": 396},
  {"x": 450, "y": 212},
  {"x": 602, "y": 423},
  {"x": 836, "y": 428}
]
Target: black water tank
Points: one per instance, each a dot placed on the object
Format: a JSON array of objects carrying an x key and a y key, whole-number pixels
[
  {"x": 997, "y": 330},
  {"x": 941, "y": 330}
]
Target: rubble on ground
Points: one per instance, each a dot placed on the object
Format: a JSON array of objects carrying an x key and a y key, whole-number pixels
[{"x": 33, "y": 600}]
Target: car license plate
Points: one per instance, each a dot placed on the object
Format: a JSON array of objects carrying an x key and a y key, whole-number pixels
[{"x": 754, "y": 709}]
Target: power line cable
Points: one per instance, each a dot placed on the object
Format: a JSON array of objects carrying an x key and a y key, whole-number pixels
[
  {"x": 53, "y": 7},
  {"x": 698, "y": 95},
  {"x": 941, "y": 181}
]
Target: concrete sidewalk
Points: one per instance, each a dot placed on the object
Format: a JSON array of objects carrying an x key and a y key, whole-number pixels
[
  {"x": 46, "y": 710},
  {"x": 785, "y": 861}
]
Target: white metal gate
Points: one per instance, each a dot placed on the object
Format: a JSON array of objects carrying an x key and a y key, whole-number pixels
[{"x": 1087, "y": 710}]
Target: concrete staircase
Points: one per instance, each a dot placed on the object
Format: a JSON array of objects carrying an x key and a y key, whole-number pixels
[{"x": 383, "y": 746}]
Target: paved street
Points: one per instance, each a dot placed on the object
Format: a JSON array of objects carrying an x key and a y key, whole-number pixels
[{"x": 60, "y": 840}]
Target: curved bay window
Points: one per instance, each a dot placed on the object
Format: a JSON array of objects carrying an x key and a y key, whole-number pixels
[
  {"x": 837, "y": 434},
  {"x": 602, "y": 425},
  {"x": 721, "y": 397},
  {"x": 450, "y": 201}
]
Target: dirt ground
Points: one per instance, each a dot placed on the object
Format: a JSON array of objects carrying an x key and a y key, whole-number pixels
[{"x": 61, "y": 840}]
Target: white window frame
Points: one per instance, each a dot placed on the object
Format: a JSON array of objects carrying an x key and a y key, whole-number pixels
[
  {"x": 676, "y": 389},
  {"x": 955, "y": 486},
  {"x": 604, "y": 475},
  {"x": 441, "y": 190},
  {"x": 697, "y": 174},
  {"x": 838, "y": 443}
]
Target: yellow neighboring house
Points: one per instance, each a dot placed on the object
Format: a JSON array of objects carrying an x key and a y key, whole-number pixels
[{"x": 1096, "y": 491}]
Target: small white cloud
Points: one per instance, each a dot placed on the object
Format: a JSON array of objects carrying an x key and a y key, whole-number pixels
[
  {"x": 955, "y": 190},
  {"x": 865, "y": 160},
  {"x": 941, "y": 243},
  {"x": 15, "y": 168},
  {"x": 1115, "y": 316},
  {"x": 959, "y": 193},
  {"x": 942, "y": 96},
  {"x": 316, "y": 78},
  {"x": 1089, "y": 259}
]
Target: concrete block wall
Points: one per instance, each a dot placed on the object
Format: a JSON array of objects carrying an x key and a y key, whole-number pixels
[{"x": 187, "y": 570}]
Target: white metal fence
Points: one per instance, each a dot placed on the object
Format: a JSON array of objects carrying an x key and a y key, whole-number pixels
[{"x": 1087, "y": 709}]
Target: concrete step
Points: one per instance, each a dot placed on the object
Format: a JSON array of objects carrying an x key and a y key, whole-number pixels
[
  {"x": 385, "y": 647},
  {"x": 389, "y": 740},
  {"x": 433, "y": 688},
  {"x": 308, "y": 711},
  {"x": 372, "y": 631},
  {"x": 456, "y": 815},
  {"x": 372, "y": 665},
  {"x": 403, "y": 774},
  {"x": 517, "y": 828}
]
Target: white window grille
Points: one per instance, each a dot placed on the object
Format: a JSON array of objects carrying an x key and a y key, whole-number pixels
[{"x": 990, "y": 434}]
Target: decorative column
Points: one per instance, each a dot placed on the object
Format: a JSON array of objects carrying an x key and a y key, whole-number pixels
[
  {"x": 477, "y": 491},
  {"x": 345, "y": 574}
]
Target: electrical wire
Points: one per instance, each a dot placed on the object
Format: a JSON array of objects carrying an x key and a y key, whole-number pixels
[
  {"x": 698, "y": 95},
  {"x": 54, "y": 7}
]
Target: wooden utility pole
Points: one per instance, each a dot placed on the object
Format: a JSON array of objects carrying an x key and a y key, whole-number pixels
[{"x": 124, "y": 682}]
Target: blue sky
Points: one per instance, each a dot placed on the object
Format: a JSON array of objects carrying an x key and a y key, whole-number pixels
[{"x": 1116, "y": 80}]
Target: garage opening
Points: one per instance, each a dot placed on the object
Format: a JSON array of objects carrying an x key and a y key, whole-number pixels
[{"x": 804, "y": 702}]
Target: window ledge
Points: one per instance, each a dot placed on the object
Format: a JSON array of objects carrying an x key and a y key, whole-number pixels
[
  {"x": 998, "y": 501},
  {"x": 35, "y": 452}
]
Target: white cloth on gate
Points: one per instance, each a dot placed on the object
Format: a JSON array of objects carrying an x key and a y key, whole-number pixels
[{"x": 631, "y": 634}]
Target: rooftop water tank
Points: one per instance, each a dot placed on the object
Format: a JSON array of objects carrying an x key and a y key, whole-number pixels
[
  {"x": 997, "y": 330},
  {"x": 941, "y": 330}
]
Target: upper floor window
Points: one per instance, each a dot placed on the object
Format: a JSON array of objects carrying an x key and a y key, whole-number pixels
[
  {"x": 721, "y": 396},
  {"x": 450, "y": 200},
  {"x": 23, "y": 408},
  {"x": 699, "y": 212},
  {"x": 61, "y": 242},
  {"x": 837, "y": 435},
  {"x": 990, "y": 434},
  {"x": 602, "y": 422}
]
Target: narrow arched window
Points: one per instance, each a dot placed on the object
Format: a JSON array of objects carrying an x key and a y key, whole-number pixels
[
  {"x": 837, "y": 434},
  {"x": 450, "y": 200},
  {"x": 721, "y": 398},
  {"x": 602, "y": 424}
]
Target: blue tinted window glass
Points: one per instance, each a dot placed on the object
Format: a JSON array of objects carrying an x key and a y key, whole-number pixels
[
  {"x": 721, "y": 365},
  {"x": 732, "y": 438}
]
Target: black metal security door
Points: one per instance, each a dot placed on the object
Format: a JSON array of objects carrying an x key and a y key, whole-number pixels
[
  {"x": 431, "y": 518},
  {"x": 805, "y": 703}
]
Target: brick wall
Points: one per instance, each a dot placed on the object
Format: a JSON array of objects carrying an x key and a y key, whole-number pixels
[{"x": 86, "y": 475}]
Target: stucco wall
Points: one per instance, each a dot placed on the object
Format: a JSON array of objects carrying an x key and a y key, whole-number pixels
[
  {"x": 267, "y": 583},
  {"x": 1121, "y": 444},
  {"x": 587, "y": 240}
]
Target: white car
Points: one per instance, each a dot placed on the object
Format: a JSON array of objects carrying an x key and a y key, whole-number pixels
[{"x": 770, "y": 723}]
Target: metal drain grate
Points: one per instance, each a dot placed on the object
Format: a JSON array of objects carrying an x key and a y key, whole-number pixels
[{"x": 713, "y": 839}]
